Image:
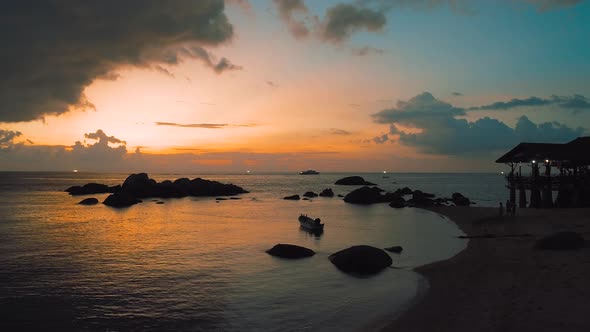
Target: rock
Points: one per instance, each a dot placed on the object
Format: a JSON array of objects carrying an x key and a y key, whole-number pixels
[
  {"x": 293, "y": 197},
  {"x": 395, "y": 249},
  {"x": 234, "y": 198},
  {"x": 460, "y": 200},
  {"x": 361, "y": 260},
  {"x": 290, "y": 251},
  {"x": 561, "y": 241},
  {"x": 366, "y": 195},
  {"x": 423, "y": 194},
  {"x": 404, "y": 191},
  {"x": 89, "y": 189},
  {"x": 120, "y": 200},
  {"x": 339, "y": 195},
  {"x": 305, "y": 199},
  {"x": 88, "y": 201},
  {"x": 398, "y": 202},
  {"x": 418, "y": 199},
  {"x": 354, "y": 181},
  {"x": 160, "y": 202},
  {"x": 310, "y": 194},
  {"x": 327, "y": 193},
  {"x": 221, "y": 199}
]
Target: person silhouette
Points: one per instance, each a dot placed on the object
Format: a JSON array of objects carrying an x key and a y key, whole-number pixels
[{"x": 501, "y": 210}]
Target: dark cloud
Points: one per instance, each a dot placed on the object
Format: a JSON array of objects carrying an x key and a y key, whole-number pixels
[
  {"x": 272, "y": 84},
  {"x": 342, "y": 20},
  {"x": 457, "y": 94},
  {"x": 423, "y": 106},
  {"x": 288, "y": 9},
  {"x": 339, "y": 132},
  {"x": 100, "y": 150},
  {"x": 53, "y": 49},
  {"x": 367, "y": 50},
  {"x": 208, "y": 59},
  {"x": 203, "y": 125},
  {"x": 7, "y": 139},
  {"x": 244, "y": 4},
  {"x": 381, "y": 139},
  {"x": 576, "y": 103},
  {"x": 436, "y": 130}
]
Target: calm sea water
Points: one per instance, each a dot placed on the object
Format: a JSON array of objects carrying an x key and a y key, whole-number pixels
[{"x": 196, "y": 264}]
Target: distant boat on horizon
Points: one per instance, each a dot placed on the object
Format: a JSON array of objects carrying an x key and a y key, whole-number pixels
[{"x": 309, "y": 172}]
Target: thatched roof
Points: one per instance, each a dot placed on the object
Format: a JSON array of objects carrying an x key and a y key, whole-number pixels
[{"x": 574, "y": 152}]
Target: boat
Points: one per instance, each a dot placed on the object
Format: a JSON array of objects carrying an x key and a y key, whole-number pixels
[
  {"x": 309, "y": 172},
  {"x": 311, "y": 224}
]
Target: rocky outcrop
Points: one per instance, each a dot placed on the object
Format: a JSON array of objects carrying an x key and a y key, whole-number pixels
[
  {"x": 90, "y": 189},
  {"x": 292, "y": 197},
  {"x": 327, "y": 193},
  {"x": 422, "y": 194},
  {"x": 367, "y": 195},
  {"x": 120, "y": 200},
  {"x": 404, "y": 191},
  {"x": 561, "y": 241},
  {"x": 88, "y": 201},
  {"x": 354, "y": 181},
  {"x": 460, "y": 200},
  {"x": 419, "y": 199},
  {"x": 310, "y": 194},
  {"x": 363, "y": 260},
  {"x": 398, "y": 202},
  {"x": 395, "y": 249},
  {"x": 290, "y": 251}
]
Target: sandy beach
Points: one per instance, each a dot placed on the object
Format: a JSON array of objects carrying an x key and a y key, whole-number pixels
[{"x": 504, "y": 284}]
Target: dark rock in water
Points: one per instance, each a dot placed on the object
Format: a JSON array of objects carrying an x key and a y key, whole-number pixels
[
  {"x": 120, "y": 200},
  {"x": 221, "y": 199},
  {"x": 561, "y": 241},
  {"x": 361, "y": 260},
  {"x": 290, "y": 251},
  {"x": 89, "y": 189},
  {"x": 395, "y": 249},
  {"x": 327, "y": 193},
  {"x": 354, "y": 181},
  {"x": 460, "y": 200},
  {"x": 160, "y": 202},
  {"x": 366, "y": 195},
  {"x": 423, "y": 194},
  {"x": 420, "y": 200},
  {"x": 89, "y": 201},
  {"x": 404, "y": 191},
  {"x": 293, "y": 197},
  {"x": 305, "y": 199},
  {"x": 310, "y": 194},
  {"x": 398, "y": 202},
  {"x": 234, "y": 198}
]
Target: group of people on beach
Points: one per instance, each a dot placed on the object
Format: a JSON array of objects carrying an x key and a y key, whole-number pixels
[{"x": 510, "y": 209}]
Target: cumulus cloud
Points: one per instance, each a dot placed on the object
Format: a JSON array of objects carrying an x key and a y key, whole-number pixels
[
  {"x": 367, "y": 50},
  {"x": 288, "y": 10},
  {"x": 339, "y": 132},
  {"x": 203, "y": 125},
  {"x": 53, "y": 49},
  {"x": 439, "y": 131},
  {"x": 100, "y": 150},
  {"x": 342, "y": 20},
  {"x": 7, "y": 138},
  {"x": 272, "y": 84},
  {"x": 576, "y": 103},
  {"x": 381, "y": 139}
]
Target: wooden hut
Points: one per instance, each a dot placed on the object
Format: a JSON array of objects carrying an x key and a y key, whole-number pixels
[{"x": 554, "y": 167}]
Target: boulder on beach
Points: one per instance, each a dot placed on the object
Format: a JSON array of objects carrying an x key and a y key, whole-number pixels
[
  {"x": 354, "y": 181},
  {"x": 404, "y": 191},
  {"x": 422, "y": 194},
  {"x": 395, "y": 249},
  {"x": 561, "y": 241},
  {"x": 362, "y": 260},
  {"x": 460, "y": 200},
  {"x": 120, "y": 200},
  {"x": 327, "y": 193},
  {"x": 397, "y": 202},
  {"x": 366, "y": 195},
  {"x": 310, "y": 194},
  {"x": 292, "y": 197},
  {"x": 290, "y": 251},
  {"x": 419, "y": 199},
  {"x": 89, "y": 189},
  {"x": 88, "y": 201}
]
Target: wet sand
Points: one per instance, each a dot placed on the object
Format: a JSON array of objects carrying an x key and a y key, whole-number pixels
[{"x": 503, "y": 284}]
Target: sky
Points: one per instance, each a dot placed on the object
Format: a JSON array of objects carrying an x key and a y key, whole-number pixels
[{"x": 287, "y": 85}]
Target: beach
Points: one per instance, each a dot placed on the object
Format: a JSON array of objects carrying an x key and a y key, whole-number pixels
[{"x": 503, "y": 283}]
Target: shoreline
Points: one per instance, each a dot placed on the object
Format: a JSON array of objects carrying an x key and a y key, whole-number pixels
[{"x": 503, "y": 283}]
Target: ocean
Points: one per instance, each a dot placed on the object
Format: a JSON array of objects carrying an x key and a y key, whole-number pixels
[{"x": 197, "y": 264}]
